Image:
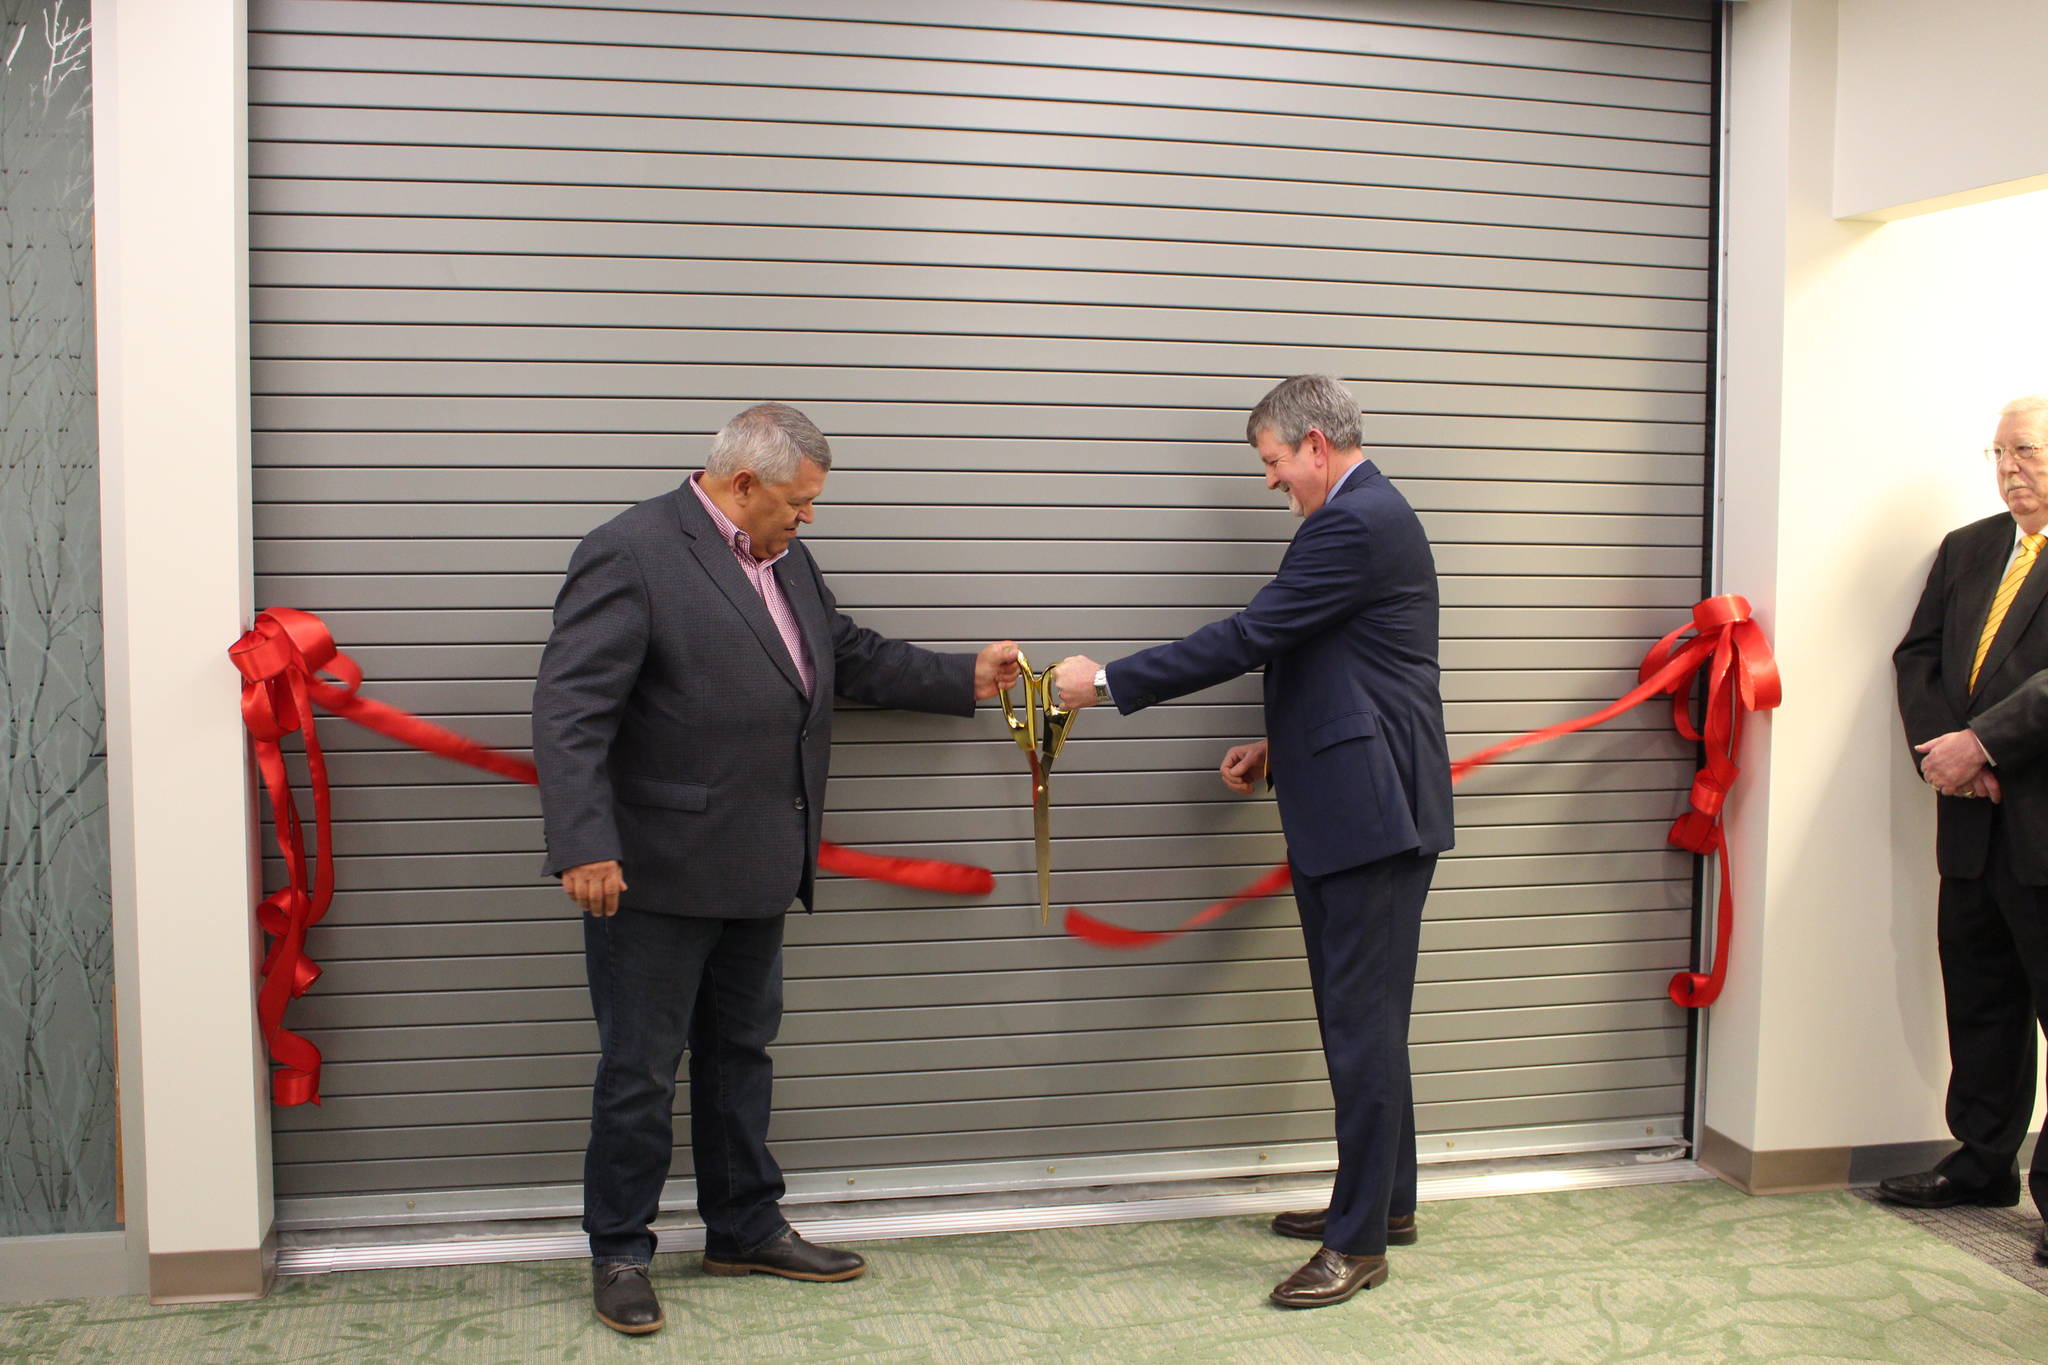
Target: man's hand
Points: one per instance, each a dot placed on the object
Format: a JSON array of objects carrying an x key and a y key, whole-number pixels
[
  {"x": 995, "y": 669},
  {"x": 1984, "y": 784},
  {"x": 595, "y": 887},
  {"x": 1244, "y": 767},
  {"x": 1075, "y": 676},
  {"x": 1950, "y": 761}
]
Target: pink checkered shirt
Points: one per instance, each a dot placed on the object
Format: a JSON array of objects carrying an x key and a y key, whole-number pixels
[{"x": 761, "y": 573}]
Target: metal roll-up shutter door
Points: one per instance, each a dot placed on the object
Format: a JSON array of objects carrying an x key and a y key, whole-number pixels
[{"x": 1027, "y": 264}]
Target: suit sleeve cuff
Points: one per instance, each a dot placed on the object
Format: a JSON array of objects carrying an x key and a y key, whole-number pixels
[
  {"x": 1122, "y": 695},
  {"x": 1982, "y": 747}
]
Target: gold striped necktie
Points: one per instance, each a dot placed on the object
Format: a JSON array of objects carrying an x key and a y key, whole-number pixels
[{"x": 2008, "y": 588}]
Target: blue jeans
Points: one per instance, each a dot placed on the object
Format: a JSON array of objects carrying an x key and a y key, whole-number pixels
[
  {"x": 1363, "y": 929},
  {"x": 657, "y": 982}
]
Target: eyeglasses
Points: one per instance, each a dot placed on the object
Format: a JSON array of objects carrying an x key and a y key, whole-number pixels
[{"x": 2030, "y": 456}]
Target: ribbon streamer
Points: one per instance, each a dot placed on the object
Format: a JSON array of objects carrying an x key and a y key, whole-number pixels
[
  {"x": 280, "y": 660},
  {"x": 1730, "y": 649}
]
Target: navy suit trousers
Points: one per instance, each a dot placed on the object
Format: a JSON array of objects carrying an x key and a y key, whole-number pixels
[
  {"x": 1363, "y": 930},
  {"x": 657, "y": 982}
]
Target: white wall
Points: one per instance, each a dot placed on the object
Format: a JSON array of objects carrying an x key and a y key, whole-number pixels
[
  {"x": 1941, "y": 102},
  {"x": 1866, "y": 365}
]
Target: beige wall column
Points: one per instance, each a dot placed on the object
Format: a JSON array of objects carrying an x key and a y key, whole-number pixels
[
  {"x": 1865, "y": 365},
  {"x": 172, "y": 277}
]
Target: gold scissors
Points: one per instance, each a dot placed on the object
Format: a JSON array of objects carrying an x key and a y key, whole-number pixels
[{"x": 1041, "y": 734}]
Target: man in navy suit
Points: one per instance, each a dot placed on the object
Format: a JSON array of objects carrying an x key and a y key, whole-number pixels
[{"x": 1354, "y": 749}]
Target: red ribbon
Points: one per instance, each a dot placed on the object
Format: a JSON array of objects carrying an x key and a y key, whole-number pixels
[
  {"x": 1730, "y": 649},
  {"x": 275, "y": 702},
  {"x": 280, "y": 660}
]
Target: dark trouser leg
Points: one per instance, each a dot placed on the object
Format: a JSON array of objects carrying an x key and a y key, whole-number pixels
[
  {"x": 1362, "y": 928},
  {"x": 1402, "y": 1202},
  {"x": 739, "y": 1010},
  {"x": 2024, "y": 910},
  {"x": 644, "y": 972},
  {"x": 1990, "y": 1033}
]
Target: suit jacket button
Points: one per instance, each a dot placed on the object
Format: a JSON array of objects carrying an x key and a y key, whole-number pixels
[{"x": 799, "y": 803}]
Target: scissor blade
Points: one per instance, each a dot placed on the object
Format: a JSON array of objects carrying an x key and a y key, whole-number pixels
[
  {"x": 1041, "y": 835},
  {"x": 1041, "y": 832}
]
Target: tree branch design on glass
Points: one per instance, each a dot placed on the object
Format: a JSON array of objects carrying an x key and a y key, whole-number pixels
[{"x": 57, "y": 1139}]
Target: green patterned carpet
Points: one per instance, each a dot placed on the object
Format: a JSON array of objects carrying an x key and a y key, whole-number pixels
[{"x": 1689, "y": 1272}]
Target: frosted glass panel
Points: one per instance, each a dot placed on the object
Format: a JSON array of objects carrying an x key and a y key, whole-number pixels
[{"x": 57, "y": 1168}]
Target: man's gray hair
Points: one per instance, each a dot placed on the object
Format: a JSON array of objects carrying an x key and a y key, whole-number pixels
[
  {"x": 771, "y": 439},
  {"x": 2019, "y": 407},
  {"x": 1308, "y": 400}
]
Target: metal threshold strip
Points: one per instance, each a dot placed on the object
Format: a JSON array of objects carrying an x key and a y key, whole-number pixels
[{"x": 1440, "y": 1183}]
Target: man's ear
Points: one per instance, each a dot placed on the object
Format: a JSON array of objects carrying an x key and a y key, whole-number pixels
[
  {"x": 1318, "y": 444},
  {"x": 744, "y": 483}
]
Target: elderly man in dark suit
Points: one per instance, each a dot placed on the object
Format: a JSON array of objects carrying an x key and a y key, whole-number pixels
[
  {"x": 1354, "y": 747},
  {"x": 1973, "y": 690},
  {"x": 682, "y": 722}
]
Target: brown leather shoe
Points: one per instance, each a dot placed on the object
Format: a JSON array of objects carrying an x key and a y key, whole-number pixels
[
  {"x": 791, "y": 1257},
  {"x": 624, "y": 1300},
  {"x": 1307, "y": 1224},
  {"x": 1329, "y": 1277}
]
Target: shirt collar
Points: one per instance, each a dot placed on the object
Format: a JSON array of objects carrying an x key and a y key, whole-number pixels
[
  {"x": 1343, "y": 478},
  {"x": 742, "y": 544}
]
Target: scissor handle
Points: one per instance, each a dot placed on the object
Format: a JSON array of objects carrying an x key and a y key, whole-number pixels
[
  {"x": 1058, "y": 719},
  {"x": 1025, "y": 731}
]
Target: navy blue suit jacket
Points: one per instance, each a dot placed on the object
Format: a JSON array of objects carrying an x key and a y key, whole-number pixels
[{"x": 1347, "y": 634}]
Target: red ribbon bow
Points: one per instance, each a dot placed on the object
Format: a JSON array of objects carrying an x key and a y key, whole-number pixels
[
  {"x": 1730, "y": 649},
  {"x": 277, "y": 661},
  {"x": 280, "y": 660}
]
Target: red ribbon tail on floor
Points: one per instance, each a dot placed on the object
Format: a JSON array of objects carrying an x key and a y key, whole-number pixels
[
  {"x": 281, "y": 659},
  {"x": 1741, "y": 675}
]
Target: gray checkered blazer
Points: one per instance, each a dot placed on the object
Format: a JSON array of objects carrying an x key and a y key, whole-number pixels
[{"x": 671, "y": 729}]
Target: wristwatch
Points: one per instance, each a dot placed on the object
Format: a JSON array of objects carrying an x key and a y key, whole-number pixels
[{"x": 1101, "y": 684}]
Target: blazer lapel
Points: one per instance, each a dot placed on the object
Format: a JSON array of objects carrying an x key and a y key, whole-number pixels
[
  {"x": 715, "y": 556},
  {"x": 1975, "y": 588},
  {"x": 2025, "y": 603}
]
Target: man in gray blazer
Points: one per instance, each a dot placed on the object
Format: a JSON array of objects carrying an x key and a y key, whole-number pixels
[{"x": 682, "y": 723}]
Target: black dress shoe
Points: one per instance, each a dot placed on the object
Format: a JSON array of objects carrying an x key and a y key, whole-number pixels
[
  {"x": 624, "y": 1299},
  {"x": 1329, "y": 1277},
  {"x": 1307, "y": 1224},
  {"x": 1933, "y": 1190},
  {"x": 791, "y": 1257},
  {"x": 2041, "y": 1249}
]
